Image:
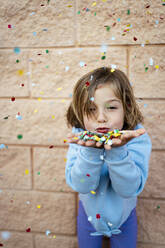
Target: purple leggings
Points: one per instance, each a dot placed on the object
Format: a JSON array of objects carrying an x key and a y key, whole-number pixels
[{"x": 126, "y": 239}]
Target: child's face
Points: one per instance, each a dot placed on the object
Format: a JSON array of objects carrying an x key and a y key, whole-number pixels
[{"x": 109, "y": 112}]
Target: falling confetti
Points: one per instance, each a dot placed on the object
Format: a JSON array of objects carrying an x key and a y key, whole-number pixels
[
  {"x": 19, "y": 136},
  {"x": 17, "y": 50},
  {"x": 97, "y": 216}
]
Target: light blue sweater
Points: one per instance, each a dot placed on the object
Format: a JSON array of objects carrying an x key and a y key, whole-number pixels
[{"x": 108, "y": 181}]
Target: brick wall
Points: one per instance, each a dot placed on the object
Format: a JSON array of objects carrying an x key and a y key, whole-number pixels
[{"x": 45, "y": 47}]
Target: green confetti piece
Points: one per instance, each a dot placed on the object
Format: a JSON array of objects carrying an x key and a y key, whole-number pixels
[
  {"x": 38, "y": 173},
  {"x": 146, "y": 69},
  {"x": 78, "y": 12},
  {"x": 19, "y": 136},
  {"x": 158, "y": 207},
  {"x": 128, "y": 11},
  {"x": 95, "y": 14},
  {"x": 47, "y": 66},
  {"x": 17, "y": 61},
  {"x": 103, "y": 57},
  {"x": 47, "y": 51},
  {"x": 108, "y": 28}
]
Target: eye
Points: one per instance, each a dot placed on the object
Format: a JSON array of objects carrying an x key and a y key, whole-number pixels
[
  {"x": 92, "y": 109},
  {"x": 111, "y": 107}
]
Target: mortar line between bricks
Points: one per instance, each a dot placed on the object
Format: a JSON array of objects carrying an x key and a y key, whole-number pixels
[
  {"x": 149, "y": 243},
  {"x": 55, "y": 146},
  {"x": 41, "y": 233},
  {"x": 32, "y": 166},
  {"x": 84, "y": 46}
]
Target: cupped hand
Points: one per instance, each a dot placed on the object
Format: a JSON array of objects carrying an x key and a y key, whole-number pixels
[{"x": 125, "y": 137}]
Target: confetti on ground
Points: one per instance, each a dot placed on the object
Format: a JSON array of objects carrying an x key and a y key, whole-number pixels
[
  {"x": 26, "y": 172},
  {"x": 38, "y": 206},
  {"x": 28, "y": 230}
]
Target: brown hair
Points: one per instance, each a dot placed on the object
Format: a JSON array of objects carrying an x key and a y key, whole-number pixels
[{"x": 84, "y": 91}]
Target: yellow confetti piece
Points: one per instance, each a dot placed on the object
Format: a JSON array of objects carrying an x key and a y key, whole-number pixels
[
  {"x": 94, "y": 4},
  {"x": 93, "y": 192},
  {"x": 112, "y": 70},
  {"x": 58, "y": 89},
  {"x": 36, "y": 110},
  {"x": 147, "y": 41},
  {"x": 41, "y": 92},
  {"x": 39, "y": 98},
  {"x": 38, "y": 206},
  {"x": 63, "y": 100},
  {"x": 157, "y": 66},
  {"x": 104, "y": 0},
  {"x": 20, "y": 72},
  {"x": 76, "y": 138},
  {"x": 26, "y": 172},
  {"x": 69, "y": 6},
  {"x": 53, "y": 117},
  {"x": 54, "y": 236},
  {"x": 65, "y": 159}
]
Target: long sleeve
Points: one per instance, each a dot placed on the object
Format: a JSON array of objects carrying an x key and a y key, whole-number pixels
[
  {"x": 83, "y": 168},
  {"x": 128, "y": 166}
]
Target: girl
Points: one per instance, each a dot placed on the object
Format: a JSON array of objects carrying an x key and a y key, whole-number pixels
[{"x": 108, "y": 177}]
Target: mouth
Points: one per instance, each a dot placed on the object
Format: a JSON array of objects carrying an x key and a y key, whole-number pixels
[{"x": 102, "y": 130}]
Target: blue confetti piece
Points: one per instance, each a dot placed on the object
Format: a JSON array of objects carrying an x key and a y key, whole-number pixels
[
  {"x": 17, "y": 50},
  {"x": 19, "y": 117},
  {"x": 82, "y": 63},
  {"x": 34, "y": 33},
  {"x": 113, "y": 38},
  {"x": 157, "y": 22},
  {"x": 67, "y": 68},
  {"x": 32, "y": 13},
  {"x": 2, "y": 146},
  {"x": 145, "y": 105},
  {"x": 48, "y": 232},
  {"x": 5, "y": 235},
  {"x": 70, "y": 95},
  {"x": 118, "y": 19}
]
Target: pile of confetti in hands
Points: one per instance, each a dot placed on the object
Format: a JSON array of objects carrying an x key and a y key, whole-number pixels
[{"x": 105, "y": 138}]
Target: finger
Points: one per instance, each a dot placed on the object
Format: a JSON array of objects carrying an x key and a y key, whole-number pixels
[
  {"x": 99, "y": 144},
  {"x": 107, "y": 147},
  {"x": 116, "y": 142},
  {"x": 81, "y": 142},
  {"x": 90, "y": 143}
]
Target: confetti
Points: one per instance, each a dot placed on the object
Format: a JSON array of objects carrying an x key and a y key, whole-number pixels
[
  {"x": 13, "y": 99},
  {"x": 20, "y": 72},
  {"x": 128, "y": 11},
  {"x": 2, "y": 146},
  {"x": 19, "y": 136},
  {"x": 9, "y": 26},
  {"x": 28, "y": 230},
  {"x": 93, "y": 192},
  {"x": 90, "y": 218},
  {"x": 134, "y": 38},
  {"x": 17, "y": 50},
  {"x": 26, "y": 172},
  {"x": 38, "y": 206},
  {"x": 94, "y": 4},
  {"x": 97, "y": 216},
  {"x": 82, "y": 63},
  {"x": 151, "y": 61},
  {"x": 5, "y": 235},
  {"x": 48, "y": 232},
  {"x": 92, "y": 99},
  {"x": 87, "y": 175},
  {"x": 157, "y": 66},
  {"x": 87, "y": 84},
  {"x": 34, "y": 33}
]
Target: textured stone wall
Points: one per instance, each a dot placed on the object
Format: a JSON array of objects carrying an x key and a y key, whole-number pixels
[{"x": 45, "y": 47}]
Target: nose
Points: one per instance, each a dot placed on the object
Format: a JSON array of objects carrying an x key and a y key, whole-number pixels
[{"x": 102, "y": 118}]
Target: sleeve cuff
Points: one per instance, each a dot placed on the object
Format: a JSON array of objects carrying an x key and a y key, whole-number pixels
[
  {"x": 91, "y": 153},
  {"x": 116, "y": 153}
]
